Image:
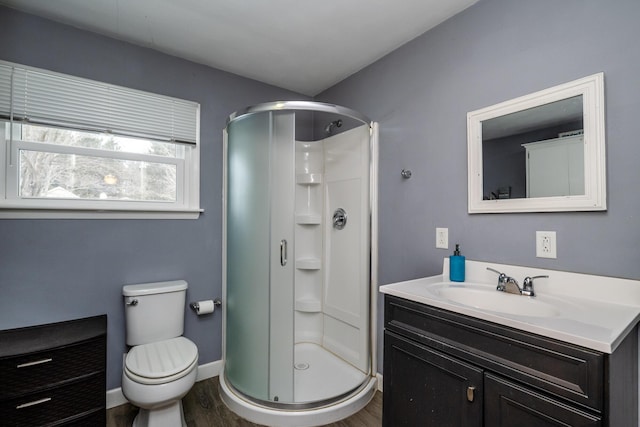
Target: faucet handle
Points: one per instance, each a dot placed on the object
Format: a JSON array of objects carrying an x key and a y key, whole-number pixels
[
  {"x": 502, "y": 278},
  {"x": 500, "y": 274},
  {"x": 527, "y": 285}
]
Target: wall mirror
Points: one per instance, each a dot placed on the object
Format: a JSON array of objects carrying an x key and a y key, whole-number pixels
[{"x": 542, "y": 152}]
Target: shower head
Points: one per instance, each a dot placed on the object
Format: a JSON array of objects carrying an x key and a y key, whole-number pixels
[{"x": 329, "y": 128}]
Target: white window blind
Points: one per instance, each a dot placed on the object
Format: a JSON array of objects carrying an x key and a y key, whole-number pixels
[
  {"x": 77, "y": 148},
  {"x": 44, "y": 97}
]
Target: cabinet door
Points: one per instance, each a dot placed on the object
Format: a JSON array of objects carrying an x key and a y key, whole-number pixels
[
  {"x": 423, "y": 387},
  {"x": 508, "y": 404}
]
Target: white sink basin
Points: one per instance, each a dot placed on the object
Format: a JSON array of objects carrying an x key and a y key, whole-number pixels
[
  {"x": 488, "y": 298},
  {"x": 595, "y": 312}
]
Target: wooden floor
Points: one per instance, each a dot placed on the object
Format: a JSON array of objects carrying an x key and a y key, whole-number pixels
[{"x": 203, "y": 408}]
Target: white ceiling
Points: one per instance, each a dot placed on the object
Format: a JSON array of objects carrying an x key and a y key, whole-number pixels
[{"x": 302, "y": 45}]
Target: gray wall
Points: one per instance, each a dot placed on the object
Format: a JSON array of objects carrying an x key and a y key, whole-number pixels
[
  {"x": 494, "y": 51},
  {"x": 53, "y": 270}
]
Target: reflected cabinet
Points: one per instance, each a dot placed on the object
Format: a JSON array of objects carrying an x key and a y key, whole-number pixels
[{"x": 555, "y": 167}]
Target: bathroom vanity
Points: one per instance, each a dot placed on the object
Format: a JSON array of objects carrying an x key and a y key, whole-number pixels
[
  {"x": 556, "y": 361},
  {"x": 54, "y": 374}
]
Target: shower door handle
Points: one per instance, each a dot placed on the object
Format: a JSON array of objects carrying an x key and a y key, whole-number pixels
[{"x": 283, "y": 252}]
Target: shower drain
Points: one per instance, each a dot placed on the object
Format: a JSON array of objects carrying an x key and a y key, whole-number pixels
[{"x": 301, "y": 366}]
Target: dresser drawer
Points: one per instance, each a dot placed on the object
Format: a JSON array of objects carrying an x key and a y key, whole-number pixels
[
  {"x": 95, "y": 418},
  {"x": 565, "y": 370},
  {"x": 65, "y": 403},
  {"x": 48, "y": 368}
]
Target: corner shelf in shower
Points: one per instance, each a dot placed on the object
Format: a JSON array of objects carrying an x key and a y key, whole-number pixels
[
  {"x": 308, "y": 264},
  {"x": 309, "y": 178},
  {"x": 308, "y": 219},
  {"x": 308, "y": 305}
]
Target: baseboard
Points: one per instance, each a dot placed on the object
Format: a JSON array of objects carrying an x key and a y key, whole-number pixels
[
  {"x": 379, "y": 378},
  {"x": 115, "y": 398},
  {"x": 208, "y": 370}
]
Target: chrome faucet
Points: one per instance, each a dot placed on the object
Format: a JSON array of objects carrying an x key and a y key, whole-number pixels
[
  {"x": 527, "y": 285},
  {"x": 510, "y": 285},
  {"x": 506, "y": 283}
]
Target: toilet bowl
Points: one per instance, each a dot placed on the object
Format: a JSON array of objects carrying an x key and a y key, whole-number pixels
[{"x": 161, "y": 366}]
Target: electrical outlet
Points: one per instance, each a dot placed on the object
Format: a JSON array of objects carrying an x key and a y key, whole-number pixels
[
  {"x": 546, "y": 244},
  {"x": 442, "y": 238}
]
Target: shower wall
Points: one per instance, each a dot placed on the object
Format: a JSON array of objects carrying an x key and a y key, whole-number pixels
[
  {"x": 309, "y": 241},
  {"x": 332, "y": 265}
]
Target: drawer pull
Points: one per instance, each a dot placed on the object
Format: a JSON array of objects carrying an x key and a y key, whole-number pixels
[
  {"x": 470, "y": 393},
  {"x": 37, "y": 362},
  {"x": 35, "y": 402}
]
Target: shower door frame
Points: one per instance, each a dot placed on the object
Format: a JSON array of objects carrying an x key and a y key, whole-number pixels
[{"x": 373, "y": 247}]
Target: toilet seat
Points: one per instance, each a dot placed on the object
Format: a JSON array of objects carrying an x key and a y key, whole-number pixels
[{"x": 161, "y": 362}]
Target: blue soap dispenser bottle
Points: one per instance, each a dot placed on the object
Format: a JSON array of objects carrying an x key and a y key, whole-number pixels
[{"x": 456, "y": 266}]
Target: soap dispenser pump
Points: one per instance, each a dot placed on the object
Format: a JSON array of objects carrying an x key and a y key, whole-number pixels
[{"x": 456, "y": 266}]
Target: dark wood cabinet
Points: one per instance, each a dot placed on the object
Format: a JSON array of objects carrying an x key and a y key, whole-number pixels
[
  {"x": 429, "y": 387},
  {"x": 445, "y": 369},
  {"x": 509, "y": 404},
  {"x": 54, "y": 374}
]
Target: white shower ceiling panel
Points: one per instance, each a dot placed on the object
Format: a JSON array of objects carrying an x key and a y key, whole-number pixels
[{"x": 303, "y": 46}]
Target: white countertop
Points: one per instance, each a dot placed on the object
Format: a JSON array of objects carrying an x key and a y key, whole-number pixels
[{"x": 595, "y": 312}]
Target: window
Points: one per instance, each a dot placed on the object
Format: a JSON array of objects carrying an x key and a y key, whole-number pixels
[{"x": 73, "y": 147}]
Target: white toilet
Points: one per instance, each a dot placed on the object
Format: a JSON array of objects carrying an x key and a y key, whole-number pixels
[{"x": 161, "y": 366}]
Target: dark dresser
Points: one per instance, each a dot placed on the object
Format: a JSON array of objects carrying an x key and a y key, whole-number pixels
[{"x": 54, "y": 374}]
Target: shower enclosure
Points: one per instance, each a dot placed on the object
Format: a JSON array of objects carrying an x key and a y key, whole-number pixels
[{"x": 299, "y": 273}]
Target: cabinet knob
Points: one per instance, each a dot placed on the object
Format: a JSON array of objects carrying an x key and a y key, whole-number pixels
[{"x": 470, "y": 393}]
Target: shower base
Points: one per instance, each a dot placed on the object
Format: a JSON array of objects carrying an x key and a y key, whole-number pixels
[{"x": 319, "y": 376}]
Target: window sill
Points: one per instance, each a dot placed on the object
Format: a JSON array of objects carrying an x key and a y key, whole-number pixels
[{"x": 60, "y": 213}]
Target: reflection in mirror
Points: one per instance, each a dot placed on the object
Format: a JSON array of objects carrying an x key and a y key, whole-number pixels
[
  {"x": 536, "y": 152},
  {"x": 541, "y": 152}
]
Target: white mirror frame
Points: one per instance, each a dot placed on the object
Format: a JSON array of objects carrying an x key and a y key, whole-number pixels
[{"x": 592, "y": 90}]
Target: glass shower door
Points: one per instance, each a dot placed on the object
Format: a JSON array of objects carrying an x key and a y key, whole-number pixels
[{"x": 259, "y": 271}]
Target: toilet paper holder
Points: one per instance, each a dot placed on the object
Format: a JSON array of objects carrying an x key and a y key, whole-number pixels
[{"x": 195, "y": 306}]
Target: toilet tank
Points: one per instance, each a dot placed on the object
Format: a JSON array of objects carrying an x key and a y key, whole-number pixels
[{"x": 154, "y": 311}]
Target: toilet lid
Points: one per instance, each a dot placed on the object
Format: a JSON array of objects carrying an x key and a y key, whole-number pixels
[{"x": 161, "y": 359}]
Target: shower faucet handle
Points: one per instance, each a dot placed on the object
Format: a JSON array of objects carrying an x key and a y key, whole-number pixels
[{"x": 339, "y": 219}]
